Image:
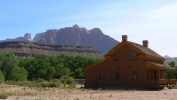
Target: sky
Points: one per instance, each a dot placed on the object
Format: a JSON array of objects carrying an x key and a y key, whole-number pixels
[{"x": 152, "y": 20}]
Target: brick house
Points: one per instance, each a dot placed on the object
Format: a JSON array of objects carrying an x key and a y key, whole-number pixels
[{"x": 128, "y": 64}]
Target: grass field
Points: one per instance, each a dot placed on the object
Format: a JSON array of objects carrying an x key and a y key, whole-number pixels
[{"x": 37, "y": 93}]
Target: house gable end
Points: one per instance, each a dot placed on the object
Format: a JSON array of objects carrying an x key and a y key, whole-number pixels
[{"x": 117, "y": 47}]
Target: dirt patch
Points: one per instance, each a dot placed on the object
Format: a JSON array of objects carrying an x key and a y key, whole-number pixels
[{"x": 25, "y": 93}]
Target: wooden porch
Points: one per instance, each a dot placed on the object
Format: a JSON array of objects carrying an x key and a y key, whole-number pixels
[
  {"x": 167, "y": 81},
  {"x": 157, "y": 77}
]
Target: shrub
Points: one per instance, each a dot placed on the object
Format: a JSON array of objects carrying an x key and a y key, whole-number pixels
[
  {"x": 3, "y": 96},
  {"x": 40, "y": 80},
  {"x": 54, "y": 84},
  {"x": 70, "y": 80},
  {"x": 67, "y": 80},
  {"x": 10, "y": 82},
  {"x": 54, "y": 80},
  {"x": 72, "y": 85},
  {"x": 2, "y": 78}
]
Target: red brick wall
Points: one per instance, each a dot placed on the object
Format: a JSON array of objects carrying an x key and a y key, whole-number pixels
[{"x": 125, "y": 66}]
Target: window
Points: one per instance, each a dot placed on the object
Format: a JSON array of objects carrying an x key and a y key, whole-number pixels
[
  {"x": 135, "y": 76},
  {"x": 115, "y": 56},
  {"x": 102, "y": 76},
  {"x": 133, "y": 56},
  {"x": 117, "y": 76}
]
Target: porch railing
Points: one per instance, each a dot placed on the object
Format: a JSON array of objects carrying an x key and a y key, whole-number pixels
[{"x": 167, "y": 81}]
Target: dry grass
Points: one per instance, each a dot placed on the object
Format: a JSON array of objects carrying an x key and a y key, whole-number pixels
[{"x": 26, "y": 93}]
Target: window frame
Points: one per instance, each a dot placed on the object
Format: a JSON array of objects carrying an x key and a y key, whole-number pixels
[{"x": 134, "y": 56}]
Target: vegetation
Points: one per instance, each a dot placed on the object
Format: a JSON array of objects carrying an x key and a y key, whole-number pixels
[
  {"x": 1, "y": 77},
  {"x": 171, "y": 74},
  {"x": 3, "y": 96},
  {"x": 63, "y": 67}
]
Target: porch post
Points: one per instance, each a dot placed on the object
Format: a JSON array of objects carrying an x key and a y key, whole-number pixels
[
  {"x": 158, "y": 77},
  {"x": 175, "y": 74},
  {"x": 163, "y": 74}
]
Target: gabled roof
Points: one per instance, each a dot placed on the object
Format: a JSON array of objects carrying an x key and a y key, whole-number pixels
[
  {"x": 140, "y": 48},
  {"x": 146, "y": 50},
  {"x": 161, "y": 65}
]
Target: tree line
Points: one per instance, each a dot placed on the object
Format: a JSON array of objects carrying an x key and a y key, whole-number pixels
[
  {"x": 42, "y": 67},
  {"x": 171, "y": 74}
]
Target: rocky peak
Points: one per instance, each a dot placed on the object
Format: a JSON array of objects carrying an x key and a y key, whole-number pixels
[
  {"x": 96, "y": 31},
  {"x": 76, "y": 26},
  {"x": 77, "y": 36},
  {"x": 39, "y": 36},
  {"x": 28, "y": 36},
  {"x": 166, "y": 56}
]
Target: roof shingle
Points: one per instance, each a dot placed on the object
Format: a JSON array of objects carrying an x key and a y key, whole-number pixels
[
  {"x": 160, "y": 65},
  {"x": 146, "y": 50}
]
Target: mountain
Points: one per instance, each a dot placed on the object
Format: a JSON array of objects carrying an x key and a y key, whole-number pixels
[
  {"x": 166, "y": 56},
  {"x": 72, "y": 36},
  {"x": 77, "y": 36},
  {"x": 27, "y": 38},
  {"x": 29, "y": 49}
]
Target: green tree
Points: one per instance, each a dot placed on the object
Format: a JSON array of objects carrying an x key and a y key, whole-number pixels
[
  {"x": 65, "y": 71},
  {"x": 170, "y": 74},
  {"x": 8, "y": 61},
  {"x": 58, "y": 70},
  {"x": 172, "y": 64},
  {"x": 18, "y": 74},
  {"x": 40, "y": 68},
  {"x": 79, "y": 74}
]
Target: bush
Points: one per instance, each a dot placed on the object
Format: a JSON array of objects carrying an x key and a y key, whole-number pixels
[
  {"x": 72, "y": 85},
  {"x": 39, "y": 80},
  {"x": 54, "y": 84},
  {"x": 3, "y": 96},
  {"x": 2, "y": 78},
  {"x": 66, "y": 80},
  {"x": 54, "y": 80},
  {"x": 10, "y": 82},
  {"x": 70, "y": 80}
]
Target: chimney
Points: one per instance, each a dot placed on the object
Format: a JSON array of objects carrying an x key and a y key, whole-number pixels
[
  {"x": 145, "y": 43},
  {"x": 124, "y": 37}
]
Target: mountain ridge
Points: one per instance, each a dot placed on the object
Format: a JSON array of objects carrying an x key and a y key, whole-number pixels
[
  {"x": 77, "y": 36},
  {"x": 29, "y": 50},
  {"x": 73, "y": 36}
]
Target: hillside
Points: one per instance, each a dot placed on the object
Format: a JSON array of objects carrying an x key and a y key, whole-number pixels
[
  {"x": 77, "y": 36},
  {"x": 29, "y": 50}
]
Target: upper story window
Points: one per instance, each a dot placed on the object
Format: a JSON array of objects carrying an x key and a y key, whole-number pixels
[
  {"x": 134, "y": 56},
  {"x": 115, "y": 56}
]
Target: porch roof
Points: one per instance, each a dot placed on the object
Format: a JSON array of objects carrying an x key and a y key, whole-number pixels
[{"x": 161, "y": 65}]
